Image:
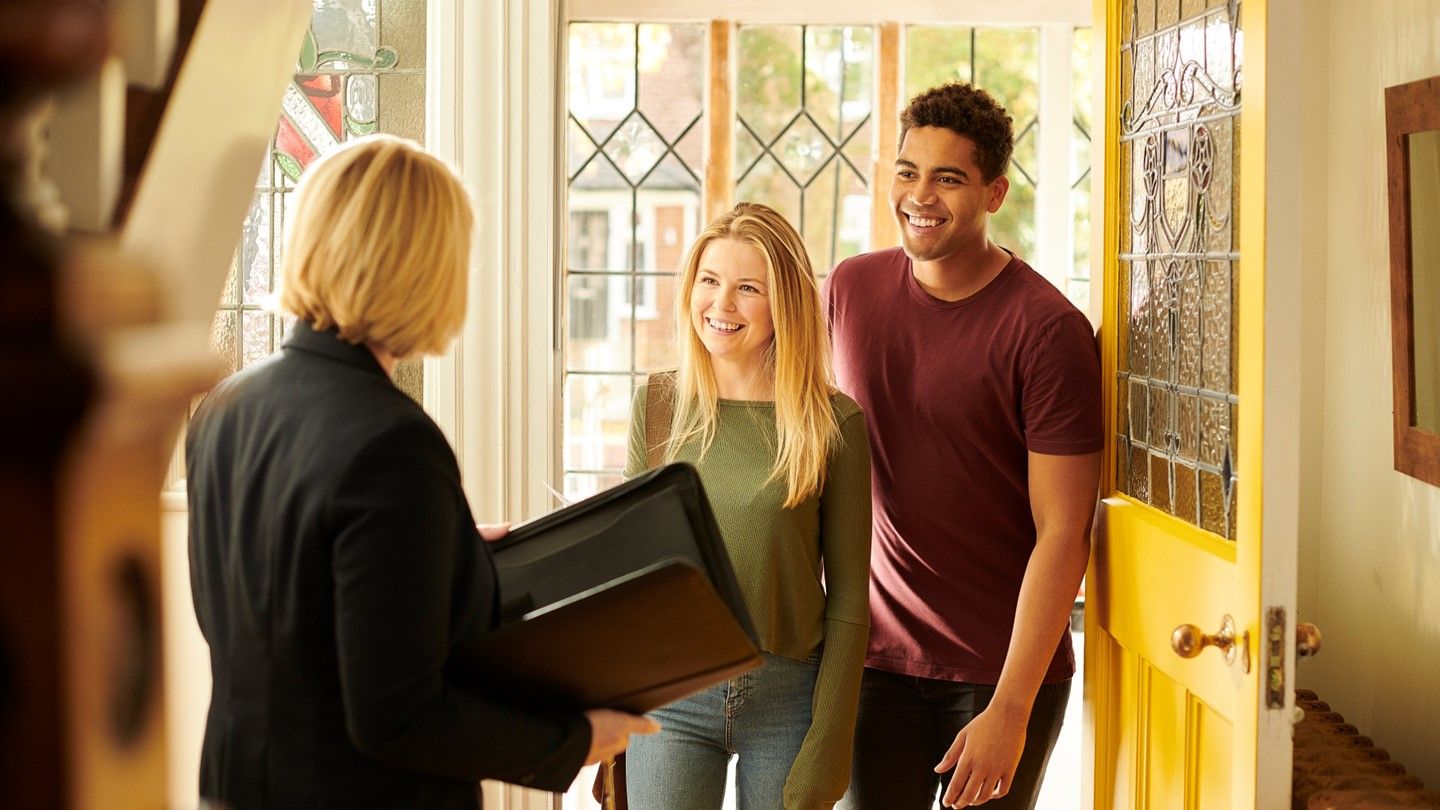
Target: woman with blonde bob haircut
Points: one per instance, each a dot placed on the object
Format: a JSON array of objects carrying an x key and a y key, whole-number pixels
[
  {"x": 335, "y": 564},
  {"x": 785, "y": 462},
  {"x": 378, "y": 247}
]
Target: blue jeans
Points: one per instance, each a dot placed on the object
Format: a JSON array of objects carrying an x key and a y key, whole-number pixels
[
  {"x": 905, "y": 725},
  {"x": 761, "y": 716}
]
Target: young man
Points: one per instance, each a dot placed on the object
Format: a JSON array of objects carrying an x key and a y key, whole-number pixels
[{"x": 981, "y": 384}]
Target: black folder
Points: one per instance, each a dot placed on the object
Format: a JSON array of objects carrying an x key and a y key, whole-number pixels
[{"x": 624, "y": 600}]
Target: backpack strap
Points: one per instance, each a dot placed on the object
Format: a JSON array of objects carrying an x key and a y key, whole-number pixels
[{"x": 659, "y": 411}]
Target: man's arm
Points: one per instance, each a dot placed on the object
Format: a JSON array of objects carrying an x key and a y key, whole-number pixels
[{"x": 986, "y": 752}]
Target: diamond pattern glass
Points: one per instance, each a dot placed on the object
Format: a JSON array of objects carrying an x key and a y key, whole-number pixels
[
  {"x": 671, "y": 204},
  {"x": 635, "y": 148},
  {"x": 803, "y": 143},
  {"x": 671, "y": 91},
  {"x": 635, "y": 145},
  {"x": 837, "y": 216},
  {"x": 803, "y": 109},
  {"x": 768, "y": 82},
  {"x": 578, "y": 147},
  {"x": 1005, "y": 62},
  {"x": 601, "y": 77},
  {"x": 802, "y": 149},
  {"x": 1178, "y": 250},
  {"x": 767, "y": 182}
]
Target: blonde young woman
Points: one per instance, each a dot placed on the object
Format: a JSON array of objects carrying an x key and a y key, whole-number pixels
[
  {"x": 333, "y": 558},
  {"x": 786, "y": 464}
]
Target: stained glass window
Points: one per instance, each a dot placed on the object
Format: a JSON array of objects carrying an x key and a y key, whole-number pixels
[
  {"x": 1179, "y": 248},
  {"x": 361, "y": 69}
]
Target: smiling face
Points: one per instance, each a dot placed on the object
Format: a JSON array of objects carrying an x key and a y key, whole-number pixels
[
  {"x": 940, "y": 197},
  {"x": 730, "y": 305}
]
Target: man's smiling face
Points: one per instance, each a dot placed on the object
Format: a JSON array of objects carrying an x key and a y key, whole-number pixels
[{"x": 940, "y": 198}]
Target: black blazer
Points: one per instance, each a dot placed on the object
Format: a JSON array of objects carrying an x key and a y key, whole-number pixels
[{"x": 335, "y": 567}]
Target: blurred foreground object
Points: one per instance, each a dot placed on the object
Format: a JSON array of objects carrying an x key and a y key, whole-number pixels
[{"x": 125, "y": 172}]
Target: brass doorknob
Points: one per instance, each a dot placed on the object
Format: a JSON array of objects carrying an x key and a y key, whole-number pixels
[
  {"x": 1188, "y": 640},
  {"x": 1307, "y": 641}
]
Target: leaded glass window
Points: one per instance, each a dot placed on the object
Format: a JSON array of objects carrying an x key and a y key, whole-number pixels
[
  {"x": 1006, "y": 63},
  {"x": 634, "y": 148},
  {"x": 361, "y": 69},
  {"x": 1179, "y": 250},
  {"x": 802, "y": 131},
  {"x": 644, "y": 162}
]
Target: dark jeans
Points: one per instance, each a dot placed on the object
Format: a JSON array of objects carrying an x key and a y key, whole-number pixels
[{"x": 907, "y": 723}]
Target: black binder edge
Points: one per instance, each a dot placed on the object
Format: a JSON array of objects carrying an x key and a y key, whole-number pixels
[{"x": 720, "y": 572}]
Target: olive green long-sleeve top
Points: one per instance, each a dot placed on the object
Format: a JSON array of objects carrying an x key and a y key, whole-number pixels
[{"x": 804, "y": 572}]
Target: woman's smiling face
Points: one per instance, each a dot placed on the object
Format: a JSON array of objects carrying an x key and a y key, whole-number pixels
[{"x": 730, "y": 303}]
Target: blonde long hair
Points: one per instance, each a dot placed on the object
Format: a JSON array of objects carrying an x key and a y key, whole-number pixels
[{"x": 799, "y": 356}]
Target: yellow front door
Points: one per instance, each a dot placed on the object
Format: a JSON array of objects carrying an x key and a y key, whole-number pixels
[{"x": 1190, "y": 616}]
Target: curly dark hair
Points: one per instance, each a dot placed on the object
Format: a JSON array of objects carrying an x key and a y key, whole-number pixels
[{"x": 969, "y": 111}]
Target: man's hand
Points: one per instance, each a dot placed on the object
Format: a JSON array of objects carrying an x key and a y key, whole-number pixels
[
  {"x": 984, "y": 755},
  {"x": 610, "y": 732},
  {"x": 490, "y": 532}
]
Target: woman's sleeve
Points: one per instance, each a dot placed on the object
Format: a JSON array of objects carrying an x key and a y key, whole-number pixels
[
  {"x": 394, "y": 516},
  {"x": 635, "y": 457},
  {"x": 821, "y": 771}
]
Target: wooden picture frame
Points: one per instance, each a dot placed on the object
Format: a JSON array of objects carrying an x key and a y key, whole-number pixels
[{"x": 1409, "y": 109}]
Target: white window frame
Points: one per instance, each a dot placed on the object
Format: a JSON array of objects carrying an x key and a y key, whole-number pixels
[{"x": 492, "y": 109}]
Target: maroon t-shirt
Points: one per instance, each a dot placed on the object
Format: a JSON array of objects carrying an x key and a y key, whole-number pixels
[{"x": 956, "y": 393}]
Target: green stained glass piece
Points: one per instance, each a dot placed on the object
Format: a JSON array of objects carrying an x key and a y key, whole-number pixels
[
  {"x": 289, "y": 165},
  {"x": 308, "y": 54}
]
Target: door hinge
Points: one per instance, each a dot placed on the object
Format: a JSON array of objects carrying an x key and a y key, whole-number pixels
[{"x": 1275, "y": 658}]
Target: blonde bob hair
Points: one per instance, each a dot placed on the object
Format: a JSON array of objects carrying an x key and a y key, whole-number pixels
[
  {"x": 799, "y": 356},
  {"x": 378, "y": 247}
]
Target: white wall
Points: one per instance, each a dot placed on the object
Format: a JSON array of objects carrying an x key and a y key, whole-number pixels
[{"x": 1370, "y": 542}]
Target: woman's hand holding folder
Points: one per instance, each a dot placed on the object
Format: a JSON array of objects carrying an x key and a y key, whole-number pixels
[
  {"x": 490, "y": 532},
  {"x": 610, "y": 732}
]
